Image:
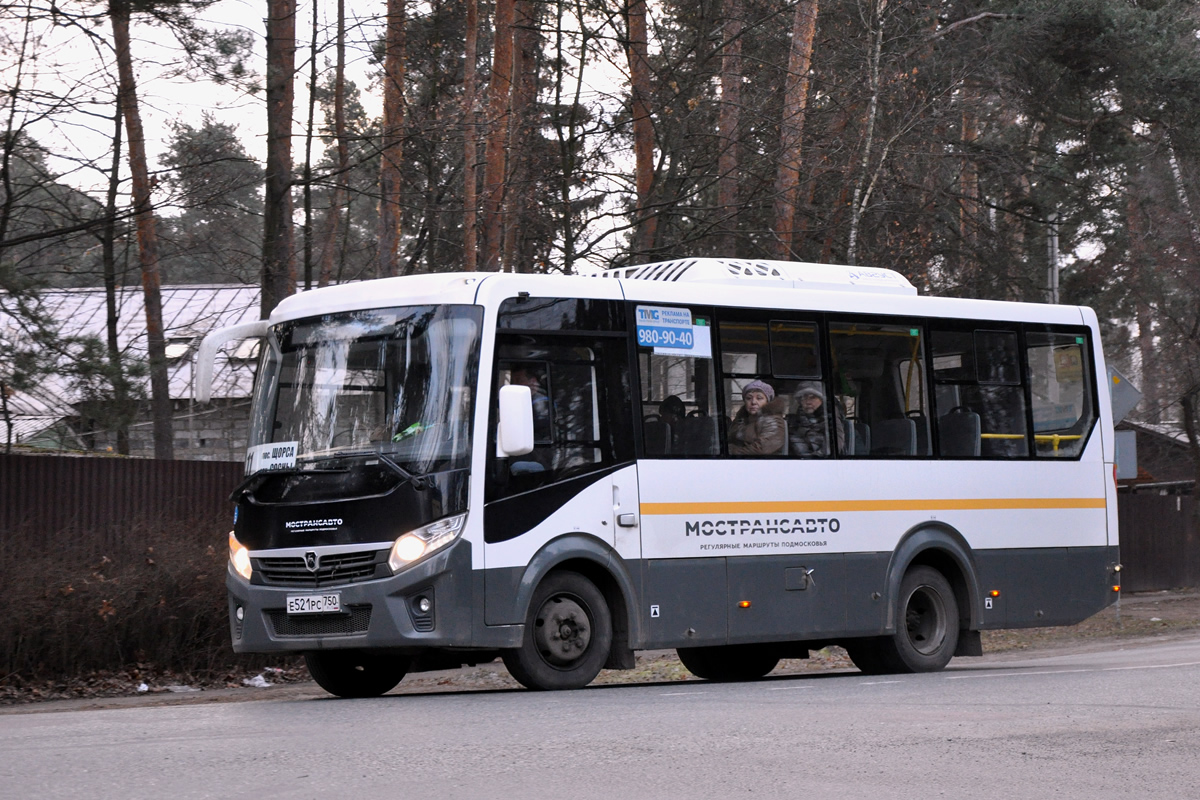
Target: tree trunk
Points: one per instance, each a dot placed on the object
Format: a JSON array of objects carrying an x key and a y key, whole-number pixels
[
  {"x": 147, "y": 234},
  {"x": 334, "y": 220},
  {"x": 108, "y": 256},
  {"x": 522, "y": 129},
  {"x": 791, "y": 126},
  {"x": 6, "y": 414},
  {"x": 495, "y": 163},
  {"x": 564, "y": 122},
  {"x": 1191, "y": 426},
  {"x": 307, "y": 233},
  {"x": 470, "y": 134},
  {"x": 968, "y": 183},
  {"x": 279, "y": 271},
  {"x": 637, "y": 52},
  {"x": 728, "y": 121},
  {"x": 392, "y": 146},
  {"x": 858, "y": 202}
]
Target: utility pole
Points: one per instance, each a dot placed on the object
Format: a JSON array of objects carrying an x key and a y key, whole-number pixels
[{"x": 1052, "y": 255}]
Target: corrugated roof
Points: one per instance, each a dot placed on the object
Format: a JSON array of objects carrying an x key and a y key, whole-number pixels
[{"x": 189, "y": 312}]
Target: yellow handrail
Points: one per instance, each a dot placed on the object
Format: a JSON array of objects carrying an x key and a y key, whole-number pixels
[{"x": 1053, "y": 438}]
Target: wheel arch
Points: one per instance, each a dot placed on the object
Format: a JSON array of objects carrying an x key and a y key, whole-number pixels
[
  {"x": 943, "y": 548},
  {"x": 599, "y": 563}
]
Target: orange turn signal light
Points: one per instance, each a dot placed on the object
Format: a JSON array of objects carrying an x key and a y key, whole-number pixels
[
  {"x": 1116, "y": 587},
  {"x": 743, "y": 604},
  {"x": 994, "y": 592}
]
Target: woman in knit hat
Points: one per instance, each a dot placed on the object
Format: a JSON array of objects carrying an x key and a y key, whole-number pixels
[
  {"x": 807, "y": 430},
  {"x": 758, "y": 428}
]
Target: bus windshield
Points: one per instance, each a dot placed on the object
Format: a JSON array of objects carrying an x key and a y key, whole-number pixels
[{"x": 397, "y": 381}]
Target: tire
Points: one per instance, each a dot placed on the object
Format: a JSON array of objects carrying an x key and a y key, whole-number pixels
[
  {"x": 926, "y": 624},
  {"x": 356, "y": 673},
  {"x": 727, "y": 663},
  {"x": 866, "y": 655},
  {"x": 568, "y": 634}
]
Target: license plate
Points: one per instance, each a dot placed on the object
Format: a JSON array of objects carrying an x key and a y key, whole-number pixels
[{"x": 314, "y": 603}]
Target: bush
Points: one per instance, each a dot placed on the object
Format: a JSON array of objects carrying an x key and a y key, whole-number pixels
[{"x": 153, "y": 597}]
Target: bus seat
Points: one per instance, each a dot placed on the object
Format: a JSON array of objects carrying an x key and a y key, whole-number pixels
[
  {"x": 958, "y": 433},
  {"x": 922, "y": 426},
  {"x": 895, "y": 437},
  {"x": 696, "y": 436},
  {"x": 848, "y": 446},
  {"x": 858, "y": 437},
  {"x": 656, "y": 435}
]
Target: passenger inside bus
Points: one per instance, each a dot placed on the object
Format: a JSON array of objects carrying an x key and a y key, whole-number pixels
[
  {"x": 758, "y": 428},
  {"x": 672, "y": 410},
  {"x": 808, "y": 428}
]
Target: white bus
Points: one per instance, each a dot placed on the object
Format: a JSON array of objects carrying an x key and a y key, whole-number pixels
[{"x": 560, "y": 471}]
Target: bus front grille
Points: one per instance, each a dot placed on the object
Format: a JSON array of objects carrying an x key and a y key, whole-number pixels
[
  {"x": 356, "y": 621},
  {"x": 332, "y": 569}
]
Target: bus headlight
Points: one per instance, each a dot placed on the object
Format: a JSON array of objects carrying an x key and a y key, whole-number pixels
[
  {"x": 423, "y": 541},
  {"x": 239, "y": 557}
]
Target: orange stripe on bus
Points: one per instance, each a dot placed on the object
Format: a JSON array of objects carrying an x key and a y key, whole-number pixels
[{"x": 784, "y": 507}]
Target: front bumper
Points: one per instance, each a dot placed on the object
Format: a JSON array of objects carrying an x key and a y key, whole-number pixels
[{"x": 379, "y": 613}]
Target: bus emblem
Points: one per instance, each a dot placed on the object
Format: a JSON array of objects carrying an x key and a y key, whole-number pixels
[{"x": 312, "y": 561}]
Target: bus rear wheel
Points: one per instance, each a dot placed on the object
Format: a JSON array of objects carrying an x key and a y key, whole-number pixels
[
  {"x": 568, "y": 634},
  {"x": 926, "y": 629},
  {"x": 356, "y": 673},
  {"x": 728, "y": 662}
]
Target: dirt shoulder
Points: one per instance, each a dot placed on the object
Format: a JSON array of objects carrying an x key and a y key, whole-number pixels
[{"x": 1136, "y": 618}]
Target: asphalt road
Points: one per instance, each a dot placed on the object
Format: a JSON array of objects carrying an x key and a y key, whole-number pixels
[{"x": 1115, "y": 724}]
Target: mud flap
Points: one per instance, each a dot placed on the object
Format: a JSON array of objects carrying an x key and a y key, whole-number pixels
[{"x": 969, "y": 644}]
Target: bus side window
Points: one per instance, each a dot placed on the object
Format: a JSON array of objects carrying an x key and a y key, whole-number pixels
[
  {"x": 679, "y": 403},
  {"x": 879, "y": 370},
  {"x": 977, "y": 385}
]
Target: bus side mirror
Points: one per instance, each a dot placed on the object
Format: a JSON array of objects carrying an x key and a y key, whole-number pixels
[
  {"x": 207, "y": 354},
  {"x": 516, "y": 421}
]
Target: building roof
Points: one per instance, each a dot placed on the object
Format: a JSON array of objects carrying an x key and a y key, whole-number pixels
[{"x": 189, "y": 312}]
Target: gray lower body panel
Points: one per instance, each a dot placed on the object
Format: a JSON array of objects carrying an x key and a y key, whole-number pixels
[{"x": 1044, "y": 587}]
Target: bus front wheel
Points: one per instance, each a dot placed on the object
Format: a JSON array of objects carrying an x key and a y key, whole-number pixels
[
  {"x": 568, "y": 634},
  {"x": 356, "y": 673},
  {"x": 926, "y": 629}
]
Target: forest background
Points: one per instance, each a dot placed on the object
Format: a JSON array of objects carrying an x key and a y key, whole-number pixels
[{"x": 971, "y": 145}]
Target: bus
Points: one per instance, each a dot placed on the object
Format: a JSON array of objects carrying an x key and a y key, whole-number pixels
[{"x": 559, "y": 471}]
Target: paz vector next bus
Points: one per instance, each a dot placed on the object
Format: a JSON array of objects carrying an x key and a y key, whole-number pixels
[{"x": 448, "y": 468}]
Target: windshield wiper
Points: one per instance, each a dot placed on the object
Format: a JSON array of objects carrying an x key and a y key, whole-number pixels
[
  {"x": 252, "y": 482},
  {"x": 419, "y": 481}
]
